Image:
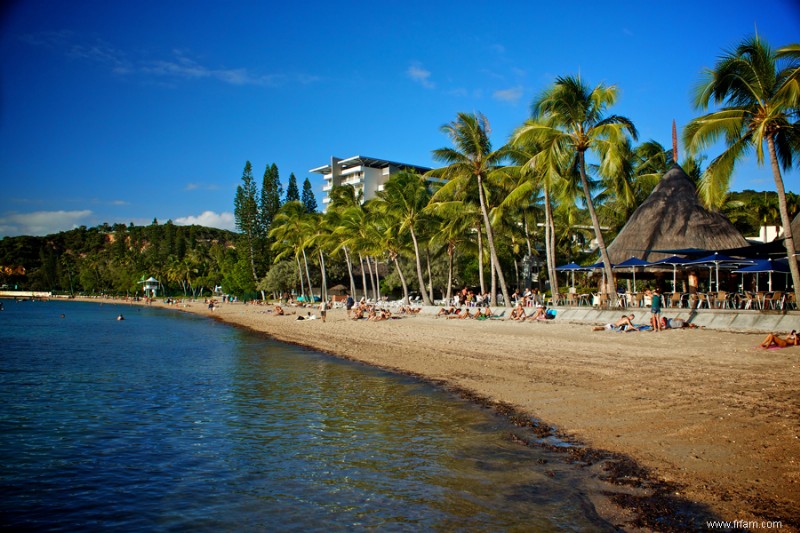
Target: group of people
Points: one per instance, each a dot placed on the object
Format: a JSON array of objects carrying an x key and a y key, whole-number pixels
[
  {"x": 481, "y": 313},
  {"x": 468, "y": 298},
  {"x": 527, "y": 298},
  {"x": 540, "y": 313},
  {"x": 657, "y": 323}
]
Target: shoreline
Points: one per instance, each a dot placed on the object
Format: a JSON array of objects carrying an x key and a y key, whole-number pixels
[{"x": 696, "y": 420}]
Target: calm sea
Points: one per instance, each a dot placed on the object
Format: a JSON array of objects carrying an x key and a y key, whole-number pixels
[{"x": 171, "y": 422}]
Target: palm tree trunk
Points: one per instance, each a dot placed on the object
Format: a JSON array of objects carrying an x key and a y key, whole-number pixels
[
  {"x": 402, "y": 278},
  {"x": 377, "y": 280},
  {"x": 610, "y": 285},
  {"x": 363, "y": 277},
  {"x": 492, "y": 249},
  {"x": 350, "y": 271},
  {"x": 300, "y": 273},
  {"x": 308, "y": 276},
  {"x": 549, "y": 243},
  {"x": 371, "y": 277},
  {"x": 422, "y": 291},
  {"x": 786, "y": 222},
  {"x": 324, "y": 289},
  {"x": 450, "y": 251},
  {"x": 430, "y": 276},
  {"x": 480, "y": 259}
]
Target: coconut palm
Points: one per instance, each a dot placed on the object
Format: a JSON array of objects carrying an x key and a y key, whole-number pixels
[
  {"x": 288, "y": 236},
  {"x": 756, "y": 93},
  {"x": 538, "y": 170},
  {"x": 472, "y": 159},
  {"x": 342, "y": 198},
  {"x": 385, "y": 233},
  {"x": 403, "y": 198},
  {"x": 569, "y": 117}
]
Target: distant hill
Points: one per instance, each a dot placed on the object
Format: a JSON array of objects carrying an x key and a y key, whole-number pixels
[{"x": 115, "y": 258}]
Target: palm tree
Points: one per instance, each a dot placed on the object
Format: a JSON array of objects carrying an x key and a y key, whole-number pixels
[
  {"x": 385, "y": 233},
  {"x": 403, "y": 198},
  {"x": 472, "y": 159},
  {"x": 452, "y": 233},
  {"x": 288, "y": 235},
  {"x": 342, "y": 198},
  {"x": 538, "y": 171},
  {"x": 758, "y": 100},
  {"x": 569, "y": 117}
]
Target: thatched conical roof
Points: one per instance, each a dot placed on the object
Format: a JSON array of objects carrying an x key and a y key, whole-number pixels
[{"x": 672, "y": 218}]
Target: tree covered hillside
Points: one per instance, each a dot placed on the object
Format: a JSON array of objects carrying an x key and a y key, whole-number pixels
[{"x": 113, "y": 259}]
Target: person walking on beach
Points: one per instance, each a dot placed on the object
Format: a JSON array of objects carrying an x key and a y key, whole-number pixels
[
  {"x": 655, "y": 310},
  {"x": 323, "y": 309}
]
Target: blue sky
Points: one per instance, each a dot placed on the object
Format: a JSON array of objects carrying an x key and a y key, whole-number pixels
[{"x": 119, "y": 111}]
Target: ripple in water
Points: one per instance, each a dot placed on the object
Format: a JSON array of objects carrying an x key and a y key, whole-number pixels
[{"x": 168, "y": 421}]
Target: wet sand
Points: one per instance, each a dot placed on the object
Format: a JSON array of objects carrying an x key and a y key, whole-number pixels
[{"x": 713, "y": 420}]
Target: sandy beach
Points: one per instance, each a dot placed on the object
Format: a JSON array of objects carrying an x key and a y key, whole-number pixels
[{"x": 708, "y": 415}]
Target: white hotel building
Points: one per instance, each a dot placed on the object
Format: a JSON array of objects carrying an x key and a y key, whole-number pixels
[{"x": 366, "y": 174}]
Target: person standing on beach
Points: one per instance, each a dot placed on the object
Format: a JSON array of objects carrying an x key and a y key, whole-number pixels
[
  {"x": 655, "y": 310},
  {"x": 323, "y": 309},
  {"x": 349, "y": 302}
]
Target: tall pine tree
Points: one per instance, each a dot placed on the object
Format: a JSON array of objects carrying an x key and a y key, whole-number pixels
[
  {"x": 309, "y": 202},
  {"x": 271, "y": 192},
  {"x": 292, "y": 192},
  {"x": 245, "y": 211}
]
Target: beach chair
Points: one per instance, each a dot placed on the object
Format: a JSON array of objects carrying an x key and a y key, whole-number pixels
[
  {"x": 676, "y": 299},
  {"x": 773, "y": 300},
  {"x": 722, "y": 300}
]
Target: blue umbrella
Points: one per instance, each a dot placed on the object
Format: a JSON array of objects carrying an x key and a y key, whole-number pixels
[
  {"x": 716, "y": 259},
  {"x": 766, "y": 265},
  {"x": 571, "y": 267},
  {"x": 632, "y": 263},
  {"x": 674, "y": 261}
]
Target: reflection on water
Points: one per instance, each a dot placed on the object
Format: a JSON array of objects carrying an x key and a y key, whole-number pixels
[{"x": 169, "y": 421}]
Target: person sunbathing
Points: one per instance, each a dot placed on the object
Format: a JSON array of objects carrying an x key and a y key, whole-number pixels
[
  {"x": 460, "y": 315},
  {"x": 444, "y": 311},
  {"x": 539, "y": 314},
  {"x": 774, "y": 340},
  {"x": 623, "y": 324},
  {"x": 518, "y": 313}
]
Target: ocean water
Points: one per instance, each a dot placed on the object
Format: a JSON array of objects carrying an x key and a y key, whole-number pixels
[{"x": 171, "y": 422}]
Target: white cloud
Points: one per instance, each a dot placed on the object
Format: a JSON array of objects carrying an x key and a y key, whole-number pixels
[
  {"x": 209, "y": 219},
  {"x": 40, "y": 223},
  {"x": 193, "y": 186},
  {"x": 421, "y": 76},
  {"x": 511, "y": 95},
  {"x": 178, "y": 66}
]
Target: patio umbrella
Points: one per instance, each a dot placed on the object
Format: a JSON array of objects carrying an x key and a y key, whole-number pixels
[
  {"x": 765, "y": 265},
  {"x": 632, "y": 263},
  {"x": 674, "y": 261},
  {"x": 717, "y": 259},
  {"x": 571, "y": 267}
]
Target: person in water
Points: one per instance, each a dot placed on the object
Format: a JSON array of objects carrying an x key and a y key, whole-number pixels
[{"x": 120, "y": 317}]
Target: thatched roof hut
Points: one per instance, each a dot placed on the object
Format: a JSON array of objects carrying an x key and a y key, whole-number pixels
[{"x": 672, "y": 218}]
